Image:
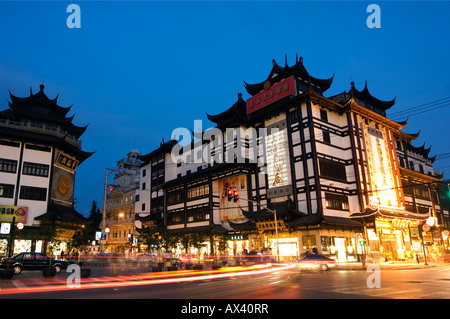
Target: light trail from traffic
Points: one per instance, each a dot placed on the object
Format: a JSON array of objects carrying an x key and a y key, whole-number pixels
[{"x": 150, "y": 279}]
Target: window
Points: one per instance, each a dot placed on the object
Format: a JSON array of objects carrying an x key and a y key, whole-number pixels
[
  {"x": 198, "y": 214},
  {"x": 137, "y": 197},
  {"x": 143, "y": 186},
  {"x": 326, "y": 137},
  {"x": 174, "y": 218},
  {"x": 7, "y": 165},
  {"x": 35, "y": 169},
  {"x": 324, "y": 115},
  {"x": 421, "y": 191},
  {"x": 198, "y": 191},
  {"x": 6, "y": 190},
  {"x": 421, "y": 168},
  {"x": 411, "y": 165},
  {"x": 175, "y": 196},
  {"x": 143, "y": 207},
  {"x": 331, "y": 169},
  {"x": 336, "y": 201},
  {"x": 293, "y": 116},
  {"x": 144, "y": 172},
  {"x": 33, "y": 193}
]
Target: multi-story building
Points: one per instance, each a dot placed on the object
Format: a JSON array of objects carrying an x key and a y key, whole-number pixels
[
  {"x": 40, "y": 150},
  {"x": 336, "y": 174},
  {"x": 120, "y": 201}
]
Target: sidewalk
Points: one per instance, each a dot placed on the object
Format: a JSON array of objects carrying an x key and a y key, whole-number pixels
[{"x": 392, "y": 265}]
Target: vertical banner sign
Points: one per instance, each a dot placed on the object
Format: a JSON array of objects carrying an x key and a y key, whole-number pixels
[
  {"x": 277, "y": 153},
  {"x": 381, "y": 173}
]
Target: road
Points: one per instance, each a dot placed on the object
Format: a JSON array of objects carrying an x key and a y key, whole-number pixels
[{"x": 429, "y": 283}]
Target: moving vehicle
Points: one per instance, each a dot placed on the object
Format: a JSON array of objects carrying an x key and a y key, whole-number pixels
[
  {"x": 32, "y": 261},
  {"x": 316, "y": 262}
]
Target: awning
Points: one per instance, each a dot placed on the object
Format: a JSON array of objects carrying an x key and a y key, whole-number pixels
[
  {"x": 212, "y": 230},
  {"x": 63, "y": 213},
  {"x": 381, "y": 212},
  {"x": 244, "y": 226},
  {"x": 285, "y": 210}
]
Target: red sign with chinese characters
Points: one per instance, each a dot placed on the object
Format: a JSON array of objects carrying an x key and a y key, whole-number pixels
[{"x": 271, "y": 94}]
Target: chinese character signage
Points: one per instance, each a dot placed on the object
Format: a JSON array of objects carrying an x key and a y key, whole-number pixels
[
  {"x": 277, "y": 156},
  {"x": 66, "y": 161},
  {"x": 7, "y": 213},
  {"x": 271, "y": 94},
  {"x": 381, "y": 173}
]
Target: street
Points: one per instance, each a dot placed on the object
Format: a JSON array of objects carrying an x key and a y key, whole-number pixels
[{"x": 254, "y": 283}]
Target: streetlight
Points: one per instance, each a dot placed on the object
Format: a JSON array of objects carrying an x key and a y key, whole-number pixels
[{"x": 274, "y": 212}]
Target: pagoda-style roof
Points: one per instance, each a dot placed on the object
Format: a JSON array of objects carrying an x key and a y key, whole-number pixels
[
  {"x": 164, "y": 147},
  {"x": 375, "y": 211},
  {"x": 324, "y": 220},
  {"x": 365, "y": 99},
  {"x": 298, "y": 70},
  {"x": 234, "y": 116},
  {"x": 421, "y": 150},
  {"x": 62, "y": 213},
  {"x": 243, "y": 226},
  {"x": 285, "y": 210},
  {"x": 38, "y": 107}
]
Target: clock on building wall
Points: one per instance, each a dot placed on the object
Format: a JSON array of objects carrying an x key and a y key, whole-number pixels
[{"x": 62, "y": 188}]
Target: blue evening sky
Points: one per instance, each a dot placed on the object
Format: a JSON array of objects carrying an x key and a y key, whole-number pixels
[{"x": 136, "y": 70}]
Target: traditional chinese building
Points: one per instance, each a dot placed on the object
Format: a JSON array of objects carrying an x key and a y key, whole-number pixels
[
  {"x": 40, "y": 150},
  {"x": 292, "y": 171}
]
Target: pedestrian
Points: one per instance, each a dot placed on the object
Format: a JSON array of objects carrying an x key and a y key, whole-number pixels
[{"x": 363, "y": 261}]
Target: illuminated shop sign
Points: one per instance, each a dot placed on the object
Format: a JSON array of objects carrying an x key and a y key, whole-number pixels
[
  {"x": 277, "y": 156},
  {"x": 7, "y": 213},
  {"x": 271, "y": 94},
  {"x": 381, "y": 173}
]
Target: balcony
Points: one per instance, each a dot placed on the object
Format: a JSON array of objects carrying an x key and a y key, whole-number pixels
[{"x": 41, "y": 128}]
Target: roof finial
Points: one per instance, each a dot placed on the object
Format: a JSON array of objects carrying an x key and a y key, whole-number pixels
[
  {"x": 274, "y": 62},
  {"x": 301, "y": 60},
  {"x": 285, "y": 61},
  {"x": 296, "y": 58}
]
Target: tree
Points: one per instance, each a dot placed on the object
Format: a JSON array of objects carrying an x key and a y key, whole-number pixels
[
  {"x": 197, "y": 240},
  {"x": 150, "y": 237},
  {"x": 84, "y": 237}
]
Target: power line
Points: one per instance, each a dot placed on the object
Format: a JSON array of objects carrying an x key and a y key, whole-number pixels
[{"x": 444, "y": 100}]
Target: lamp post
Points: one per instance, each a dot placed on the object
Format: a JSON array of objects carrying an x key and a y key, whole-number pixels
[{"x": 274, "y": 212}]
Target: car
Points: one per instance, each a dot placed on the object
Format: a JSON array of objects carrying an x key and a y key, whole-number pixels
[
  {"x": 316, "y": 262},
  {"x": 146, "y": 258},
  {"x": 33, "y": 261}
]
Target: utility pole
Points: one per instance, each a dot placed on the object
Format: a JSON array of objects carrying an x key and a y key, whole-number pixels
[
  {"x": 104, "y": 207},
  {"x": 274, "y": 212}
]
